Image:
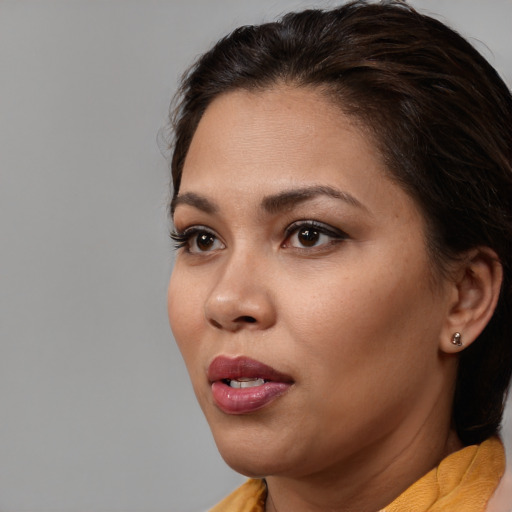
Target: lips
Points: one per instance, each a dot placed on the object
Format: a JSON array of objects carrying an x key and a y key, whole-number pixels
[{"x": 241, "y": 385}]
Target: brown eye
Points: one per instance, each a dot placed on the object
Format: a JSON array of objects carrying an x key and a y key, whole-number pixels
[
  {"x": 199, "y": 240},
  {"x": 308, "y": 237},
  {"x": 312, "y": 234},
  {"x": 205, "y": 241}
]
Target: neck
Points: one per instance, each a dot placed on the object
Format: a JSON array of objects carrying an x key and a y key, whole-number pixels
[{"x": 372, "y": 481}]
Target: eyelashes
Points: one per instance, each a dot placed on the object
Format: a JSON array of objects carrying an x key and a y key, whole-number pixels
[
  {"x": 180, "y": 239},
  {"x": 306, "y": 235},
  {"x": 196, "y": 239}
]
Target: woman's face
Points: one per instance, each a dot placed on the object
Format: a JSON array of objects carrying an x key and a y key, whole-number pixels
[{"x": 302, "y": 298}]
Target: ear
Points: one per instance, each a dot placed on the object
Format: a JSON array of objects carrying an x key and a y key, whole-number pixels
[{"x": 475, "y": 293}]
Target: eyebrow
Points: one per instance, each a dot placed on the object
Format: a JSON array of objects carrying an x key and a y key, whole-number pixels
[
  {"x": 271, "y": 204},
  {"x": 289, "y": 198},
  {"x": 197, "y": 201}
]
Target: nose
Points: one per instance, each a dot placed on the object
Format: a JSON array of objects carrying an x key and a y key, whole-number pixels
[{"x": 241, "y": 298}]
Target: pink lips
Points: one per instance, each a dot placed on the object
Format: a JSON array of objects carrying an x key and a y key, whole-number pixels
[{"x": 243, "y": 400}]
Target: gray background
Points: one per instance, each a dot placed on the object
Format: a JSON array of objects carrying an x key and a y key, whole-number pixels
[{"x": 96, "y": 412}]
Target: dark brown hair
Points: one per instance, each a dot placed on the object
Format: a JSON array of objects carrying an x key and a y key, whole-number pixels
[{"x": 439, "y": 113}]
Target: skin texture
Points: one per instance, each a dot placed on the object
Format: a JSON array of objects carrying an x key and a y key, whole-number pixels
[{"x": 359, "y": 319}]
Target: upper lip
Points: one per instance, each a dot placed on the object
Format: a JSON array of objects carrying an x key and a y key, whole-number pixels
[{"x": 231, "y": 368}]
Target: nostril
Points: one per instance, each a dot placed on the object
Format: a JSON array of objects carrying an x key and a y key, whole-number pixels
[
  {"x": 216, "y": 324},
  {"x": 247, "y": 319},
  {"x": 235, "y": 324}
]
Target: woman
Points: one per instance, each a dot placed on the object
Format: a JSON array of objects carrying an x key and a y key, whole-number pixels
[{"x": 341, "y": 294}]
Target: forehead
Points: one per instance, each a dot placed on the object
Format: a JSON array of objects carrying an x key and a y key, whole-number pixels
[
  {"x": 299, "y": 111},
  {"x": 289, "y": 134}
]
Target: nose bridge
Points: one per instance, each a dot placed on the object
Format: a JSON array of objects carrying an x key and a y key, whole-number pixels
[{"x": 241, "y": 297}]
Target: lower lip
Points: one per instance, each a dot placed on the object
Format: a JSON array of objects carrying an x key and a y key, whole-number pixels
[{"x": 246, "y": 400}]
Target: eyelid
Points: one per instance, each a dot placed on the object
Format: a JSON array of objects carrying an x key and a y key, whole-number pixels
[{"x": 192, "y": 229}]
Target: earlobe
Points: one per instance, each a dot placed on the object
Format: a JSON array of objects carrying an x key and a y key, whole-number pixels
[{"x": 476, "y": 293}]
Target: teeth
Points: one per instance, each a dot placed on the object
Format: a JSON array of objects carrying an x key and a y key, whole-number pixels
[{"x": 245, "y": 382}]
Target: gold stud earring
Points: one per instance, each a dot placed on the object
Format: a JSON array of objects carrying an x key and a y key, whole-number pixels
[{"x": 457, "y": 339}]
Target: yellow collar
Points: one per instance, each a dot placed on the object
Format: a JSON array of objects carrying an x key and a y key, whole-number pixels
[
  {"x": 463, "y": 481},
  {"x": 250, "y": 497}
]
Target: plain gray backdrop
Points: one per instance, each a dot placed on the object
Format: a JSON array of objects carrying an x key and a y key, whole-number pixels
[{"x": 96, "y": 411}]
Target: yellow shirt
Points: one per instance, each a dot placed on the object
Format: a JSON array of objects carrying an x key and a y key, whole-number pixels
[{"x": 463, "y": 482}]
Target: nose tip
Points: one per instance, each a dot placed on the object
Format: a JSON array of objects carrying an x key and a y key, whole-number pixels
[{"x": 245, "y": 307}]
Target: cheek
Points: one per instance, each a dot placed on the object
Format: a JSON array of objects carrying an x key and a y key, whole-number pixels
[
  {"x": 183, "y": 310},
  {"x": 365, "y": 323},
  {"x": 185, "y": 317},
  {"x": 363, "y": 355}
]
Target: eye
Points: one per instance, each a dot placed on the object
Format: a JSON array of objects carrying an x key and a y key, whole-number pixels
[
  {"x": 309, "y": 234},
  {"x": 196, "y": 240}
]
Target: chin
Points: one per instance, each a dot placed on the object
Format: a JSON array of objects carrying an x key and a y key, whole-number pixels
[
  {"x": 253, "y": 464},
  {"x": 253, "y": 450}
]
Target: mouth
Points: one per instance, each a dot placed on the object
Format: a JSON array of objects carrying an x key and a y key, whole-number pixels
[
  {"x": 244, "y": 382},
  {"x": 241, "y": 385}
]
